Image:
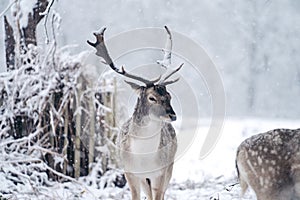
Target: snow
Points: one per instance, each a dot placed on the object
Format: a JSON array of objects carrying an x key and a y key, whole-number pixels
[{"x": 210, "y": 178}]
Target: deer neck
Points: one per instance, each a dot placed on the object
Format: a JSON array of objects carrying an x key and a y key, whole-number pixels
[
  {"x": 141, "y": 112},
  {"x": 145, "y": 135},
  {"x": 144, "y": 125}
]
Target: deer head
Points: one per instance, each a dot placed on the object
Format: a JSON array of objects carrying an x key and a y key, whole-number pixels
[
  {"x": 153, "y": 102},
  {"x": 154, "y": 99}
]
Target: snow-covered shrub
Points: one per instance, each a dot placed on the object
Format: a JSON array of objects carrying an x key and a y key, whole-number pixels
[
  {"x": 48, "y": 125},
  {"x": 56, "y": 122}
]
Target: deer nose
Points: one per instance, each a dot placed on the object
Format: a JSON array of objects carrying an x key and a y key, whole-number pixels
[
  {"x": 171, "y": 113},
  {"x": 172, "y": 117}
]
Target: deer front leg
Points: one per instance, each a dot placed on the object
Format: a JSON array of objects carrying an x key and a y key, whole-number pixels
[
  {"x": 160, "y": 184},
  {"x": 158, "y": 187},
  {"x": 134, "y": 185},
  {"x": 168, "y": 175},
  {"x": 146, "y": 185}
]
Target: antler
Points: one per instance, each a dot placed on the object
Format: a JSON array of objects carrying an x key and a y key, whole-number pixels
[
  {"x": 103, "y": 53},
  {"x": 166, "y": 62},
  {"x": 164, "y": 80}
]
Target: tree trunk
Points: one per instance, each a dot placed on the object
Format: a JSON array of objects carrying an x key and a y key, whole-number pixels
[
  {"x": 10, "y": 44},
  {"x": 29, "y": 32}
]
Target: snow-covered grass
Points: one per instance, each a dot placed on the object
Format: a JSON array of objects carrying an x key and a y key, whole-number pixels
[{"x": 193, "y": 178}]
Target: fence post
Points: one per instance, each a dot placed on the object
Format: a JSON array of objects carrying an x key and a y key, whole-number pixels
[
  {"x": 91, "y": 131},
  {"x": 66, "y": 132},
  {"x": 77, "y": 129},
  {"x": 114, "y": 105}
]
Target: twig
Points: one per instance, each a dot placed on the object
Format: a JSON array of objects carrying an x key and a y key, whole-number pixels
[
  {"x": 47, "y": 151},
  {"x": 24, "y": 139},
  {"x": 54, "y": 40},
  {"x": 227, "y": 188},
  {"x": 230, "y": 187},
  {"x": 52, "y": 123},
  {"x": 21, "y": 161},
  {"x": 46, "y": 13},
  {"x": 215, "y": 198}
]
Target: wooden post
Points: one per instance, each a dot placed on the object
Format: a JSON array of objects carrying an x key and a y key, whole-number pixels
[
  {"x": 77, "y": 130},
  {"x": 92, "y": 130},
  {"x": 66, "y": 131},
  {"x": 114, "y": 105},
  {"x": 104, "y": 132},
  {"x": 114, "y": 123},
  {"x": 108, "y": 115},
  {"x": 110, "y": 122}
]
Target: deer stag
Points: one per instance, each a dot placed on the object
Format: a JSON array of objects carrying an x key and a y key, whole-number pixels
[
  {"x": 147, "y": 141},
  {"x": 270, "y": 163}
]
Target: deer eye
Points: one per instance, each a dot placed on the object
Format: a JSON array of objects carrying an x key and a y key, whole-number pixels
[{"x": 152, "y": 99}]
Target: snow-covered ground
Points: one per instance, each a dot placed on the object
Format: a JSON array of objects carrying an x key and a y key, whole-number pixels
[{"x": 193, "y": 178}]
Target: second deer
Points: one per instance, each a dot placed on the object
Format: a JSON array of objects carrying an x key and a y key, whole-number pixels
[
  {"x": 147, "y": 141},
  {"x": 270, "y": 164}
]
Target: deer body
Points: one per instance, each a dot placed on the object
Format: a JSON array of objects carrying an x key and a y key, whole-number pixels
[
  {"x": 147, "y": 141},
  {"x": 270, "y": 164},
  {"x": 148, "y": 144}
]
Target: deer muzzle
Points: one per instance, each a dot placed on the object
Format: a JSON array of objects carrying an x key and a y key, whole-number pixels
[
  {"x": 173, "y": 117},
  {"x": 171, "y": 114}
]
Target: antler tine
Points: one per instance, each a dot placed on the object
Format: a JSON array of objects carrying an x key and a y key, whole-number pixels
[
  {"x": 170, "y": 82},
  {"x": 166, "y": 62},
  {"x": 163, "y": 81},
  {"x": 147, "y": 82},
  {"x": 101, "y": 48},
  {"x": 102, "y": 52}
]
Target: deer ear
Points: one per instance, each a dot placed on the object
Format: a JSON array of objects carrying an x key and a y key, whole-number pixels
[{"x": 134, "y": 86}]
